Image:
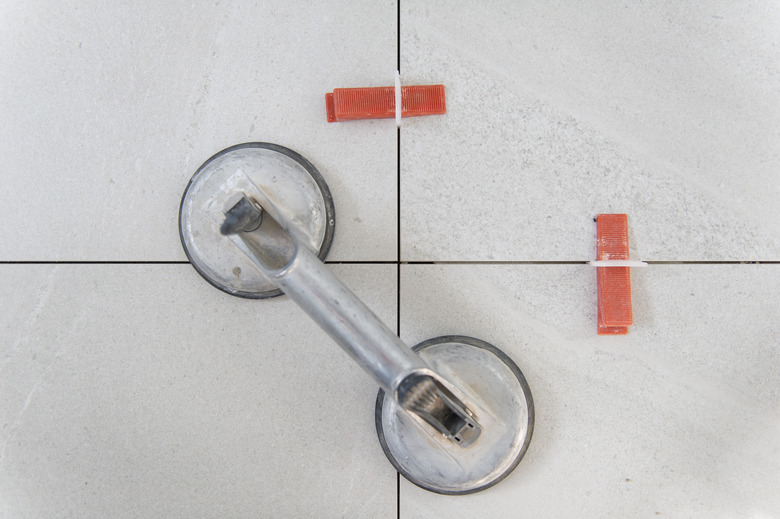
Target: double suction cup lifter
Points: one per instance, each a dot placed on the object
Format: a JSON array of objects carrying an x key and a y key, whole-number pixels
[{"x": 454, "y": 414}]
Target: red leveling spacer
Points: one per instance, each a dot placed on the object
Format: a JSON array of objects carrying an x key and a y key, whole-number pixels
[
  {"x": 347, "y": 104},
  {"x": 614, "y": 283}
]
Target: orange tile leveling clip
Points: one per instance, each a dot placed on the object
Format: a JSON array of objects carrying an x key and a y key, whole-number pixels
[
  {"x": 613, "y": 273},
  {"x": 348, "y": 104}
]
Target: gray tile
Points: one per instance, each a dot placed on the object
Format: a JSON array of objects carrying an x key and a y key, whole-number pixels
[
  {"x": 109, "y": 110},
  {"x": 555, "y": 114},
  {"x": 141, "y": 391},
  {"x": 678, "y": 418}
]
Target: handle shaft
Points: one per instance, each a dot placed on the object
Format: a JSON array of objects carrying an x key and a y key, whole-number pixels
[{"x": 308, "y": 281}]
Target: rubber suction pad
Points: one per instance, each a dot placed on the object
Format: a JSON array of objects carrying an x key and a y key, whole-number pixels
[
  {"x": 491, "y": 386},
  {"x": 284, "y": 177}
]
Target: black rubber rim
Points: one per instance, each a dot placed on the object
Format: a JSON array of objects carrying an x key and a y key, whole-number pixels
[
  {"x": 471, "y": 341},
  {"x": 330, "y": 213}
]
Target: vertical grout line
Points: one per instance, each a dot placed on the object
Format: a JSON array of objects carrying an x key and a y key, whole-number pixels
[
  {"x": 398, "y": 495},
  {"x": 398, "y": 332},
  {"x": 398, "y": 194},
  {"x": 398, "y": 36},
  {"x": 398, "y": 141},
  {"x": 398, "y": 232}
]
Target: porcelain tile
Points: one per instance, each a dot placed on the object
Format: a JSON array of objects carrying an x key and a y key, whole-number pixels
[
  {"x": 678, "y": 418},
  {"x": 108, "y": 110},
  {"x": 555, "y": 114},
  {"x": 141, "y": 391}
]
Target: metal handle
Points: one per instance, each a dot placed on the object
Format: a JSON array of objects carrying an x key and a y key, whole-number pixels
[{"x": 308, "y": 282}]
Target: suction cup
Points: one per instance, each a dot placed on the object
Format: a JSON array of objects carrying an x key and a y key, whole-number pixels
[
  {"x": 285, "y": 178},
  {"x": 490, "y": 385}
]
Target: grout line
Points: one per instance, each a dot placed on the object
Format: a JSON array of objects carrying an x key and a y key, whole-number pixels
[
  {"x": 398, "y": 194},
  {"x": 398, "y": 495},
  {"x": 584, "y": 263},
  {"x": 398, "y": 36},
  {"x": 398, "y": 300},
  {"x": 479, "y": 262},
  {"x": 99, "y": 262},
  {"x": 398, "y": 232},
  {"x": 729, "y": 262},
  {"x": 391, "y": 262},
  {"x": 360, "y": 262}
]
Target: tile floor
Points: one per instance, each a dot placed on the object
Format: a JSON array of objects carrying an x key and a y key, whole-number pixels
[{"x": 129, "y": 387}]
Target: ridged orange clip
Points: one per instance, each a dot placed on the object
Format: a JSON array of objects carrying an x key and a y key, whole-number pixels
[
  {"x": 348, "y": 104},
  {"x": 614, "y": 283}
]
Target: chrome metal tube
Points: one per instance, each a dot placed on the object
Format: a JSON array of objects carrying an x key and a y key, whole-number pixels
[
  {"x": 307, "y": 281},
  {"x": 347, "y": 320}
]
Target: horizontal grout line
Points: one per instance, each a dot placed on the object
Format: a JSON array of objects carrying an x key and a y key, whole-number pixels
[
  {"x": 99, "y": 262},
  {"x": 497, "y": 262},
  {"x": 745, "y": 262},
  {"x": 379, "y": 262},
  {"x": 360, "y": 262},
  {"x": 728, "y": 262}
]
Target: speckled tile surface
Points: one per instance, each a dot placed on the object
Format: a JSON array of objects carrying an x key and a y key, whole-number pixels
[
  {"x": 558, "y": 113},
  {"x": 129, "y": 387},
  {"x": 679, "y": 418},
  {"x": 139, "y": 391},
  {"x": 109, "y": 110}
]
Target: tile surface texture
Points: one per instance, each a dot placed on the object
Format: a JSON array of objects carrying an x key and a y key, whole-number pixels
[
  {"x": 668, "y": 113},
  {"x": 107, "y": 111},
  {"x": 138, "y": 390},
  {"x": 142, "y": 391},
  {"x": 679, "y": 418}
]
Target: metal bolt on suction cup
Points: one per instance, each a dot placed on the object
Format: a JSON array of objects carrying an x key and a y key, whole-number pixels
[
  {"x": 454, "y": 415},
  {"x": 245, "y": 216},
  {"x": 426, "y": 397}
]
